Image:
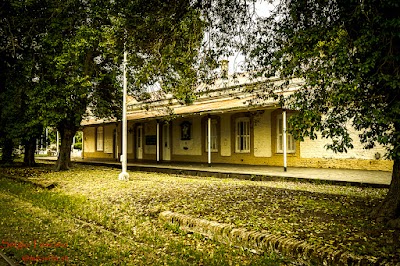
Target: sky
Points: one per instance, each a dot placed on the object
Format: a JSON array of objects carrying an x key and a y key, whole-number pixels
[{"x": 236, "y": 61}]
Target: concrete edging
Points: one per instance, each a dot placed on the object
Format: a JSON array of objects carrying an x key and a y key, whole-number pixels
[{"x": 298, "y": 250}]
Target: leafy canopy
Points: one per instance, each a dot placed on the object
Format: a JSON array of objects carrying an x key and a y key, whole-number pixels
[{"x": 348, "y": 54}]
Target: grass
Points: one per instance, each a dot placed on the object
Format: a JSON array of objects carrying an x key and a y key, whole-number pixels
[{"x": 109, "y": 222}]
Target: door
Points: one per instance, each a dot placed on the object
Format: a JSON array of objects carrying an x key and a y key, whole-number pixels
[
  {"x": 166, "y": 145},
  {"x": 139, "y": 142}
]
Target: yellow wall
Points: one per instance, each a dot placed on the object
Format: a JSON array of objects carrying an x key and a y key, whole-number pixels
[
  {"x": 225, "y": 139},
  {"x": 263, "y": 147},
  {"x": 190, "y": 147},
  {"x": 263, "y": 144},
  {"x": 89, "y": 142},
  {"x": 108, "y": 138},
  {"x": 89, "y": 139},
  {"x": 150, "y": 128},
  {"x": 262, "y": 134}
]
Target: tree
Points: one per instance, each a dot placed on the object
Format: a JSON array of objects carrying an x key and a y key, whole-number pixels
[
  {"x": 69, "y": 76},
  {"x": 164, "y": 43},
  {"x": 82, "y": 47},
  {"x": 348, "y": 54},
  {"x": 19, "y": 122},
  {"x": 72, "y": 50}
]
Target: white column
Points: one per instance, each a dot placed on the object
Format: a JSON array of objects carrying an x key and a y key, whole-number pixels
[
  {"x": 284, "y": 141},
  {"x": 209, "y": 140},
  {"x": 158, "y": 141},
  {"x": 124, "y": 175}
]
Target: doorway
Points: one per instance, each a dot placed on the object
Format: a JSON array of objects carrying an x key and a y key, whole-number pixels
[
  {"x": 139, "y": 142},
  {"x": 166, "y": 145}
]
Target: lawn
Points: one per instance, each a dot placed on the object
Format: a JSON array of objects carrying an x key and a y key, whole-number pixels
[{"x": 98, "y": 220}]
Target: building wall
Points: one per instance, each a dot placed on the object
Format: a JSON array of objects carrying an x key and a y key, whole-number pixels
[
  {"x": 316, "y": 148},
  {"x": 314, "y": 153},
  {"x": 262, "y": 134},
  {"x": 150, "y": 129},
  {"x": 190, "y": 147},
  {"x": 263, "y": 144},
  {"x": 89, "y": 139},
  {"x": 109, "y": 138},
  {"x": 226, "y": 132},
  {"x": 89, "y": 143}
]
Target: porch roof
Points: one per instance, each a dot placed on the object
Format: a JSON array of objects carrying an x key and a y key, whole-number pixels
[
  {"x": 200, "y": 107},
  {"x": 222, "y": 101},
  {"x": 197, "y": 108}
]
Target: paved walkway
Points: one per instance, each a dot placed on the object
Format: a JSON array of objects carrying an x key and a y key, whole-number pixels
[{"x": 254, "y": 172}]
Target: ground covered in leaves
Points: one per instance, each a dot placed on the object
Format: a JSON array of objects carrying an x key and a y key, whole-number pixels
[{"x": 92, "y": 211}]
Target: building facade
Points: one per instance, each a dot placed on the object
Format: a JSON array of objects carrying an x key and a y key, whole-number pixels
[{"x": 221, "y": 127}]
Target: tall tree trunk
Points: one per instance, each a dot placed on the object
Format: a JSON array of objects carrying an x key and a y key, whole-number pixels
[
  {"x": 29, "y": 155},
  {"x": 7, "y": 151},
  {"x": 64, "y": 157},
  {"x": 389, "y": 209}
]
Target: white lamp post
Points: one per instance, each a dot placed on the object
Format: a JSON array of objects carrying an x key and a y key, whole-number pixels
[
  {"x": 124, "y": 174},
  {"x": 284, "y": 137}
]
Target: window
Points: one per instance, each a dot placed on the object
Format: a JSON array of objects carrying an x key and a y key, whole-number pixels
[
  {"x": 242, "y": 135},
  {"x": 214, "y": 136},
  {"x": 99, "y": 139},
  {"x": 290, "y": 142}
]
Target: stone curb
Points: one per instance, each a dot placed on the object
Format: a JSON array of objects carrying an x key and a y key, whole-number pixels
[{"x": 298, "y": 250}]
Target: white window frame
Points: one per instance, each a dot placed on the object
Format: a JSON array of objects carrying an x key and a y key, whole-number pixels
[
  {"x": 291, "y": 142},
  {"x": 214, "y": 136},
  {"x": 100, "y": 139},
  {"x": 242, "y": 137}
]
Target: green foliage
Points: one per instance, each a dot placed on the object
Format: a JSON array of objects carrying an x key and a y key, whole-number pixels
[
  {"x": 164, "y": 41},
  {"x": 343, "y": 57},
  {"x": 63, "y": 58},
  {"x": 19, "y": 26},
  {"x": 78, "y": 145},
  {"x": 348, "y": 54},
  {"x": 70, "y": 76}
]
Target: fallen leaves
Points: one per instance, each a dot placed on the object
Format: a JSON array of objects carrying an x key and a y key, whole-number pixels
[{"x": 326, "y": 215}]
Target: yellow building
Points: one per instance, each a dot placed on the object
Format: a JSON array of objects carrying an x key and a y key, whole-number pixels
[{"x": 222, "y": 126}]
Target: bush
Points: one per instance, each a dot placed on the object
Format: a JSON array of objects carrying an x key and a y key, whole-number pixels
[{"x": 78, "y": 146}]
